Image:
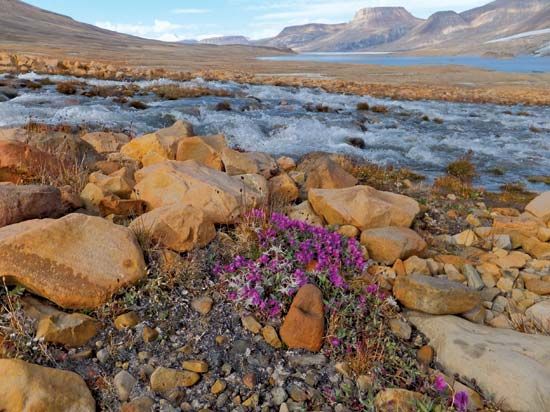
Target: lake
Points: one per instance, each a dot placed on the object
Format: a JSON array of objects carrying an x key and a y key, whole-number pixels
[{"x": 521, "y": 64}]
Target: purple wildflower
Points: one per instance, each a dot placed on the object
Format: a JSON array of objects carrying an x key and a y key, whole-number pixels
[
  {"x": 440, "y": 384},
  {"x": 461, "y": 401},
  {"x": 334, "y": 341}
]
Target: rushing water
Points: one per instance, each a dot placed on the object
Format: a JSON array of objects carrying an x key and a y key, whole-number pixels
[
  {"x": 520, "y": 64},
  {"x": 513, "y": 139}
]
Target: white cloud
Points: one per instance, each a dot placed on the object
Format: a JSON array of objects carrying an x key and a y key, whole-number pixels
[{"x": 190, "y": 11}]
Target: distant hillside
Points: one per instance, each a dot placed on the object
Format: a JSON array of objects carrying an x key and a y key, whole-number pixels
[
  {"x": 25, "y": 28},
  {"x": 227, "y": 40},
  {"x": 395, "y": 29}
]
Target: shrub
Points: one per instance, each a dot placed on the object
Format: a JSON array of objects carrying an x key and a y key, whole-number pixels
[
  {"x": 463, "y": 168},
  {"x": 286, "y": 254},
  {"x": 175, "y": 92},
  {"x": 363, "y": 106},
  {"x": 136, "y": 104},
  {"x": 223, "y": 107}
]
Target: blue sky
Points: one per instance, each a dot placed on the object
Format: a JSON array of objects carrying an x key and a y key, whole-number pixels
[{"x": 173, "y": 20}]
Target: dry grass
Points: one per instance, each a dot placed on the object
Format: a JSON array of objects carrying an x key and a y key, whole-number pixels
[
  {"x": 525, "y": 324},
  {"x": 379, "y": 109},
  {"x": 463, "y": 168},
  {"x": 175, "y": 92},
  {"x": 382, "y": 177},
  {"x": 363, "y": 106},
  {"x": 453, "y": 185}
]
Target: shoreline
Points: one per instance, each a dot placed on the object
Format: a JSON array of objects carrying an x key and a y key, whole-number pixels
[{"x": 411, "y": 83}]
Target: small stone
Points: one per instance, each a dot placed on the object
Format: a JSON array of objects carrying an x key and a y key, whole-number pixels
[
  {"x": 297, "y": 393},
  {"x": 250, "y": 380},
  {"x": 218, "y": 387},
  {"x": 198, "y": 366},
  {"x": 473, "y": 278},
  {"x": 279, "y": 395},
  {"x": 466, "y": 238},
  {"x": 505, "y": 284},
  {"x": 476, "y": 315},
  {"x": 124, "y": 383},
  {"x": 500, "y": 304},
  {"x": 416, "y": 266},
  {"x": 271, "y": 337},
  {"x": 401, "y": 328},
  {"x": 365, "y": 383},
  {"x": 142, "y": 404},
  {"x": 126, "y": 321},
  {"x": 202, "y": 305},
  {"x": 102, "y": 355},
  {"x": 221, "y": 340},
  {"x": 251, "y": 324},
  {"x": 149, "y": 334},
  {"x": 164, "y": 380},
  {"x": 348, "y": 231},
  {"x": 72, "y": 330},
  {"x": 252, "y": 401},
  {"x": 425, "y": 355}
]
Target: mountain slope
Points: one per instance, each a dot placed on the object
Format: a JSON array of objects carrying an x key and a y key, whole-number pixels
[{"x": 28, "y": 29}]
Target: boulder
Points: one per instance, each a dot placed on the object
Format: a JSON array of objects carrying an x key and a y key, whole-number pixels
[
  {"x": 434, "y": 295},
  {"x": 204, "y": 149},
  {"x": 112, "y": 205},
  {"x": 28, "y": 387},
  {"x": 363, "y": 207},
  {"x": 386, "y": 245},
  {"x": 77, "y": 261},
  {"x": 305, "y": 213},
  {"x": 510, "y": 367},
  {"x": 286, "y": 163},
  {"x": 67, "y": 146},
  {"x": 536, "y": 248},
  {"x": 106, "y": 142},
  {"x": 282, "y": 188},
  {"x": 162, "y": 143},
  {"x": 240, "y": 163},
  {"x": 324, "y": 173},
  {"x": 540, "y": 206},
  {"x": 18, "y": 203},
  {"x": 304, "y": 325},
  {"x": 119, "y": 183},
  {"x": 20, "y": 162},
  {"x": 222, "y": 197},
  {"x": 540, "y": 313},
  {"x": 180, "y": 228}
]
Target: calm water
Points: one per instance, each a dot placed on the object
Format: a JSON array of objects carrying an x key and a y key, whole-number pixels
[
  {"x": 279, "y": 120},
  {"x": 524, "y": 64}
]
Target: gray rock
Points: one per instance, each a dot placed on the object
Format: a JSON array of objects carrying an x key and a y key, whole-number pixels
[
  {"x": 279, "y": 395},
  {"x": 473, "y": 278},
  {"x": 124, "y": 383},
  {"x": 307, "y": 360},
  {"x": 511, "y": 367}
]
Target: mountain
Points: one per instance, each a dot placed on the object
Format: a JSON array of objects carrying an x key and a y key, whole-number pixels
[
  {"x": 227, "y": 40},
  {"x": 395, "y": 29},
  {"x": 28, "y": 29}
]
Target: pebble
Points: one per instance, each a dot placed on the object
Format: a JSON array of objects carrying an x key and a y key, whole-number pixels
[
  {"x": 271, "y": 337},
  {"x": 279, "y": 395},
  {"x": 401, "y": 328},
  {"x": 126, "y": 321},
  {"x": 202, "y": 305},
  {"x": 102, "y": 355},
  {"x": 149, "y": 334},
  {"x": 218, "y": 387},
  {"x": 124, "y": 383},
  {"x": 251, "y": 324},
  {"x": 198, "y": 366}
]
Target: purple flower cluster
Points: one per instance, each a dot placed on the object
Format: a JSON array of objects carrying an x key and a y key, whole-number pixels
[{"x": 291, "y": 254}]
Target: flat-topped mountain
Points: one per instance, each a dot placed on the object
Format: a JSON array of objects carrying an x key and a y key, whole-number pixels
[{"x": 227, "y": 40}]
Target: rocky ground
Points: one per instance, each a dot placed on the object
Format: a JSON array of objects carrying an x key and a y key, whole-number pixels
[
  {"x": 172, "y": 272},
  {"x": 447, "y": 83}
]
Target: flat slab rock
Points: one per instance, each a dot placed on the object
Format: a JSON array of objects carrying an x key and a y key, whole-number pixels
[
  {"x": 77, "y": 261},
  {"x": 512, "y": 367}
]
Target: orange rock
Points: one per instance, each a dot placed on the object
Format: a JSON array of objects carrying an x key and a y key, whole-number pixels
[{"x": 304, "y": 325}]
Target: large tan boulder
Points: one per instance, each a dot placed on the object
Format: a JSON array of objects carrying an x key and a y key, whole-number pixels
[
  {"x": 282, "y": 188},
  {"x": 223, "y": 198},
  {"x": 322, "y": 172},
  {"x": 180, "y": 228},
  {"x": 19, "y": 162},
  {"x": 540, "y": 206},
  {"x": 120, "y": 183},
  {"x": 28, "y": 387},
  {"x": 304, "y": 324},
  {"x": 240, "y": 163},
  {"x": 388, "y": 244},
  {"x": 434, "y": 295},
  {"x": 106, "y": 142},
  {"x": 77, "y": 261},
  {"x": 204, "y": 149},
  {"x": 363, "y": 207},
  {"x": 509, "y": 366},
  {"x": 18, "y": 203},
  {"x": 163, "y": 143}
]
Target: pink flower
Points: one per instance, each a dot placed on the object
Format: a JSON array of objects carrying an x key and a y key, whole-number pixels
[
  {"x": 334, "y": 341},
  {"x": 440, "y": 384}
]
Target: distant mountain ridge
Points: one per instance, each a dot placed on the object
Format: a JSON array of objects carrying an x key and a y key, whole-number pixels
[{"x": 396, "y": 29}]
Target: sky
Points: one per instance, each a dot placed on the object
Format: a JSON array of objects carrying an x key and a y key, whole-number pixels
[{"x": 173, "y": 20}]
